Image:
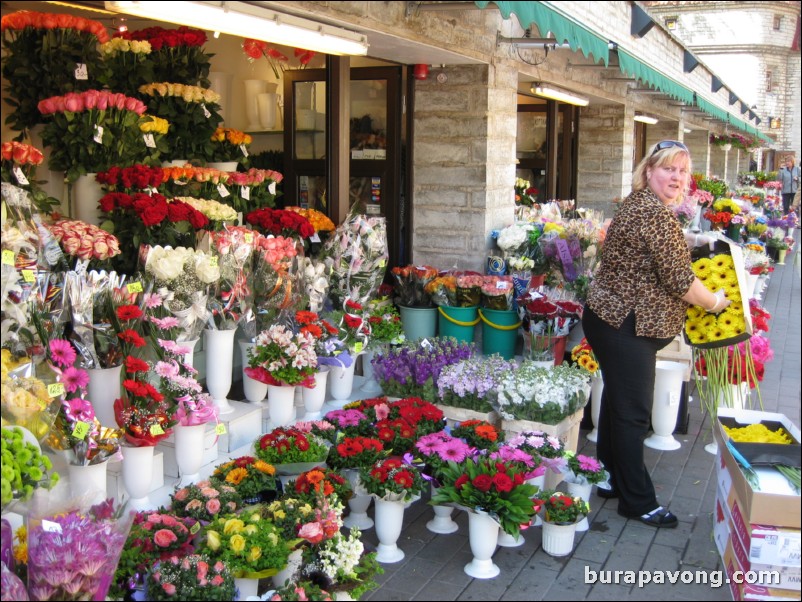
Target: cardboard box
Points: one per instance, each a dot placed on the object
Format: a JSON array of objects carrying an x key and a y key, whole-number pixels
[
  {"x": 567, "y": 429},
  {"x": 754, "y": 591},
  {"x": 775, "y": 504}
]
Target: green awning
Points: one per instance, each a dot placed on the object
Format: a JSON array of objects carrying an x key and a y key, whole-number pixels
[
  {"x": 636, "y": 68},
  {"x": 728, "y": 117},
  {"x": 564, "y": 29}
]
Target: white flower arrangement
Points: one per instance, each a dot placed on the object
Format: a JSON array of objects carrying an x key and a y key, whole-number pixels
[
  {"x": 545, "y": 395},
  {"x": 340, "y": 556},
  {"x": 513, "y": 237},
  {"x": 215, "y": 211}
]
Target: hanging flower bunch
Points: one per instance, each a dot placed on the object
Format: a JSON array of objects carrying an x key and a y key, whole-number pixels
[
  {"x": 176, "y": 54},
  {"x": 256, "y": 49},
  {"x": 703, "y": 328},
  {"x": 250, "y": 477},
  {"x": 478, "y": 433},
  {"x": 84, "y": 241},
  {"x": 469, "y": 383},
  {"x": 583, "y": 355},
  {"x": 128, "y": 65},
  {"x": 391, "y": 480},
  {"x": 229, "y": 144},
  {"x": 283, "y": 358},
  {"x": 205, "y": 500},
  {"x": 62, "y": 44}
]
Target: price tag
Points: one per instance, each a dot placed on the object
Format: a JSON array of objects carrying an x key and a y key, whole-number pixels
[
  {"x": 81, "y": 72},
  {"x": 314, "y": 238},
  {"x": 156, "y": 429},
  {"x": 195, "y": 528},
  {"x": 502, "y": 285},
  {"x": 271, "y": 188},
  {"x": 245, "y": 192},
  {"x": 673, "y": 399},
  {"x": 222, "y": 191},
  {"x": 244, "y": 150},
  {"x": 248, "y": 238},
  {"x": 425, "y": 343},
  {"x": 8, "y": 257},
  {"x": 149, "y": 141},
  {"x": 98, "y": 137},
  {"x": 382, "y": 263},
  {"x": 206, "y": 111},
  {"x": 21, "y": 179},
  {"x": 220, "y": 429},
  {"x": 28, "y": 276},
  {"x": 81, "y": 429},
  {"x": 213, "y": 262},
  {"x": 51, "y": 527},
  {"x": 135, "y": 287},
  {"x": 55, "y": 389},
  {"x": 358, "y": 347}
]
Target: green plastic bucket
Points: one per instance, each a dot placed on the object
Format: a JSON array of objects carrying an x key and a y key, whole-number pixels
[
  {"x": 499, "y": 332},
  {"x": 418, "y": 322},
  {"x": 458, "y": 322}
]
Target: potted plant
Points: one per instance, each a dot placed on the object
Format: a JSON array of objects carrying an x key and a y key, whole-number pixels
[
  {"x": 193, "y": 577},
  {"x": 478, "y": 433},
  {"x": 468, "y": 385},
  {"x": 251, "y": 478},
  {"x": 561, "y": 515},
  {"x": 303, "y": 590},
  {"x": 312, "y": 484},
  {"x": 205, "y": 500},
  {"x": 291, "y": 451}
]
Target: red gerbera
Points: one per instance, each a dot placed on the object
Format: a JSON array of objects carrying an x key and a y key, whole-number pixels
[{"x": 128, "y": 312}]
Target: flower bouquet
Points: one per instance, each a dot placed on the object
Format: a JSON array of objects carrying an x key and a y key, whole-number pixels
[
  {"x": 283, "y": 358},
  {"x": 27, "y": 403},
  {"x": 217, "y": 213},
  {"x": 257, "y": 188},
  {"x": 547, "y": 321},
  {"x": 351, "y": 422},
  {"x": 80, "y": 240},
  {"x": 205, "y": 500},
  {"x": 562, "y": 509},
  {"x": 290, "y": 450},
  {"x": 548, "y": 450},
  {"x": 478, "y": 433},
  {"x": 525, "y": 193},
  {"x": 231, "y": 299},
  {"x": 18, "y": 167},
  {"x": 584, "y": 470},
  {"x": 249, "y": 544},
  {"x": 142, "y": 412},
  {"x": 132, "y": 179},
  {"x": 355, "y": 452},
  {"x": 436, "y": 450},
  {"x": 385, "y": 325},
  {"x": 469, "y": 383},
  {"x": 584, "y": 357},
  {"x": 280, "y": 222},
  {"x": 228, "y": 144},
  {"x": 252, "y": 479},
  {"x": 519, "y": 460},
  {"x": 288, "y": 514},
  {"x": 303, "y": 590},
  {"x": 722, "y": 213},
  {"x": 316, "y": 276},
  {"x": 497, "y": 292},
  {"x": 25, "y": 468},
  {"x": 177, "y": 54},
  {"x": 391, "y": 480},
  {"x": 317, "y": 482},
  {"x": 193, "y": 577},
  {"x": 542, "y": 395},
  {"x": 490, "y": 486},
  {"x": 153, "y": 537}
]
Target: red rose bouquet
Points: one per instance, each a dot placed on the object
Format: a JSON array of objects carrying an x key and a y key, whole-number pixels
[
  {"x": 133, "y": 179},
  {"x": 142, "y": 412},
  {"x": 280, "y": 222},
  {"x": 392, "y": 480},
  {"x": 355, "y": 452}
]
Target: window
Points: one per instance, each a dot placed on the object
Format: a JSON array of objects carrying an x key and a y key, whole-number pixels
[
  {"x": 671, "y": 23},
  {"x": 769, "y": 80},
  {"x": 778, "y": 20}
]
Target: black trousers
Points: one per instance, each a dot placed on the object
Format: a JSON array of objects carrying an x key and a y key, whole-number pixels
[
  {"x": 788, "y": 198},
  {"x": 627, "y": 362}
]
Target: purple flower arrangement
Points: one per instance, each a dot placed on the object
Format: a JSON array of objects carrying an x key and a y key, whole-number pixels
[
  {"x": 468, "y": 383},
  {"x": 412, "y": 370}
]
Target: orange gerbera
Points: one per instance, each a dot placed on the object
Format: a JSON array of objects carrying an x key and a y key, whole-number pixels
[
  {"x": 487, "y": 432},
  {"x": 264, "y": 467},
  {"x": 235, "y": 476},
  {"x": 314, "y": 476}
]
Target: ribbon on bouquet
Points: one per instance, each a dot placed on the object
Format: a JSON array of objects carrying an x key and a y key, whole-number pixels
[
  {"x": 240, "y": 290},
  {"x": 197, "y": 311}
]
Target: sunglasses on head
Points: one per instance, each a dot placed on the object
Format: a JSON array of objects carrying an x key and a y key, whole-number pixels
[{"x": 669, "y": 144}]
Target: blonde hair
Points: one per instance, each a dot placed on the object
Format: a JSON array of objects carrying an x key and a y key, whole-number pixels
[{"x": 659, "y": 158}]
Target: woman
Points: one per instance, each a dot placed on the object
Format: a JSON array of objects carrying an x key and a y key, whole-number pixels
[{"x": 635, "y": 307}]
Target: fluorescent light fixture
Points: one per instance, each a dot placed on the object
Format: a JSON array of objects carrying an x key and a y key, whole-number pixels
[
  {"x": 686, "y": 130},
  {"x": 547, "y": 91},
  {"x": 247, "y": 21},
  {"x": 81, "y": 6},
  {"x": 645, "y": 119}
]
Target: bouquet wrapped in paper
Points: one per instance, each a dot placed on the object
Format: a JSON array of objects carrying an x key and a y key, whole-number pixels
[
  {"x": 231, "y": 298},
  {"x": 497, "y": 292},
  {"x": 316, "y": 277},
  {"x": 411, "y": 282},
  {"x": 358, "y": 252}
]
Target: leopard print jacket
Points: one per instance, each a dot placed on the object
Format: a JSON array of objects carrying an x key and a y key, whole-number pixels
[{"x": 645, "y": 267}]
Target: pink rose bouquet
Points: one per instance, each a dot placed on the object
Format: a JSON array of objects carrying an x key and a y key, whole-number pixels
[
  {"x": 205, "y": 500},
  {"x": 194, "y": 577},
  {"x": 85, "y": 241}
]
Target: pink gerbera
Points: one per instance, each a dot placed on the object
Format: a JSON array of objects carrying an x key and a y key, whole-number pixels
[
  {"x": 74, "y": 379},
  {"x": 455, "y": 450},
  {"x": 588, "y": 464},
  {"x": 62, "y": 352}
]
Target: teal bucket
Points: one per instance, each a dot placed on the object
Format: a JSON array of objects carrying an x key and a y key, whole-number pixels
[
  {"x": 499, "y": 332},
  {"x": 418, "y": 322},
  {"x": 458, "y": 322}
]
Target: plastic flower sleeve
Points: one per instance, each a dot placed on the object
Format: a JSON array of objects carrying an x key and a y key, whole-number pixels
[
  {"x": 20, "y": 238},
  {"x": 12, "y": 586},
  {"x": 78, "y": 291},
  {"x": 231, "y": 298}
]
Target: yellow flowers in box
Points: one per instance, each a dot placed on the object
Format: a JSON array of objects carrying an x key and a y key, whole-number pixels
[
  {"x": 701, "y": 327},
  {"x": 758, "y": 433}
]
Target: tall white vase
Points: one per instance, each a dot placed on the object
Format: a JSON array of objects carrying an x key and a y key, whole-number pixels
[
  {"x": 371, "y": 385},
  {"x": 665, "y": 405},
  {"x": 88, "y": 480},
  {"x": 341, "y": 383},
  {"x": 219, "y": 345},
  {"x": 268, "y": 109},
  {"x": 189, "y": 357},
  {"x": 389, "y": 520},
  {"x": 189, "y": 452},
  {"x": 582, "y": 491},
  {"x": 247, "y": 587},
  {"x": 442, "y": 522},
  {"x": 315, "y": 397},
  {"x": 220, "y": 82},
  {"x": 596, "y": 390},
  {"x": 137, "y": 475},
  {"x": 558, "y": 540},
  {"x": 358, "y": 504},
  {"x": 104, "y": 387},
  {"x": 255, "y": 391},
  {"x": 253, "y": 88},
  {"x": 483, "y": 537},
  {"x": 86, "y": 192},
  {"x": 288, "y": 572},
  {"x": 281, "y": 404},
  {"x": 540, "y": 483}
]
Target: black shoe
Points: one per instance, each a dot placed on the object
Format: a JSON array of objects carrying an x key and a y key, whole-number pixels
[
  {"x": 606, "y": 493},
  {"x": 659, "y": 518}
]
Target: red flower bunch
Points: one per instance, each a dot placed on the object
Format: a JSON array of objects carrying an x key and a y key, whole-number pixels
[
  {"x": 719, "y": 217},
  {"x": 355, "y": 452},
  {"x": 286, "y": 445},
  {"x": 478, "y": 433},
  {"x": 159, "y": 37},
  {"x": 425, "y": 417},
  {"x": 152, "y": 210},
  {"x": 560, "y": 508},
  {"x": 311, "y": 322},
  {"x": 256, "y": 49},
  {"x": 280, "y": 222},
  {"x": 398, "y": 435},
  {"x": 135, "y": 178},
  {"x": 142, "y": 412},
  {"x": 391, "y": 479},
  {"x": 321, "y": 481},
  {"x": 760, "y": 317},
  {"x": 740, "y": 368},
  {"x": 23, "y": 19}
]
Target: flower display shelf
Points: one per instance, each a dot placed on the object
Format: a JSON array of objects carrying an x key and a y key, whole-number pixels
[
  {"x": 210, "y": 450},
  {"x": 243, "y": 425},
  {"x": 454, "y": 414}
]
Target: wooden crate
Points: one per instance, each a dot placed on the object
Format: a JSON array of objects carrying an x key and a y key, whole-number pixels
[
  {"x": 454, "y": 414},
  {"x": 567, "y": 430}
]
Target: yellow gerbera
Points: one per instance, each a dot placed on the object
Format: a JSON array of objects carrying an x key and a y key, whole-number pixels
[
  {"x": 695, "y": 312},
  {"x": 235, "y": 476},
  {"x": 701, "y": 267},
  {"x": 264, "y": 467}
]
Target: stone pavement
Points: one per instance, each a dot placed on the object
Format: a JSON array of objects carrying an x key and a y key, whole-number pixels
[{"x": 685, "y": 482}]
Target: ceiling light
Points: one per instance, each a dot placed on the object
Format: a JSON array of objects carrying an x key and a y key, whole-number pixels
[
  {"x": 547, "y": 91},
  {"x": 645, "y": 119},
  {"x": 244, "y": 20},
  {"x": 687, "y": 130},
  {"x": 81, "y": 6}
]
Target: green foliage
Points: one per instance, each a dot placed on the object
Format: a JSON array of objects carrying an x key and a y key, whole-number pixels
[{"x": 718, "y": 188}]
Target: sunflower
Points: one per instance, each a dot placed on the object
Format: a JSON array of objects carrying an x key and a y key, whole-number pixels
[{"x": 723, "y": 262}]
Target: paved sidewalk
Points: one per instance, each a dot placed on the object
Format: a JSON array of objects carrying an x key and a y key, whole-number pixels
[{"x": 685, "y": 480}]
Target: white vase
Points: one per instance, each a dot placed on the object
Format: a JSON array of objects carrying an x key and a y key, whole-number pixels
[
  {"x": 267, "y": 103},
  {"x": 341, "y": 383},
  {"x": 281, "y": 404},
  {"x": 371, "y": 386},
  {"x": 86, "y": 192},
  {"x": 89, "y": 479},
  {"x": 220, "y": 82},
  {"x": 189, "y": 452},
  {"x": 505, "y": 540},
  {"x": 314, "y": 397},
  {"x": 596, "y": 390},
  {"x": 389, "y": 520},
  {"x": 358, "y": 504},
  {"x": 219, "y": 345},
  {"x": 552, "y": 479},
  {"x": 189, "y": 357},
  {"x": 255, "y": 391},
  {"x": 342, "y": 596},
  {"x": 558, "y": 540},
  {"x": 288, "y": 572},
  {"x": 540, "y": 483},
  {"x": 253, "y": 88},
  {"x": 483, "y": 536},
  {"x": 137, "y": 470},
  {"x": 246, "y": 587},
  {"x": 696, "y": 222},
  {"x": 442, "y": 522},
  {"x": 583, "y": 491},
  {"x": 104, "y": 387},
  {"x": 223, "y": 165},
  {"x": 665, "y": 405}
]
